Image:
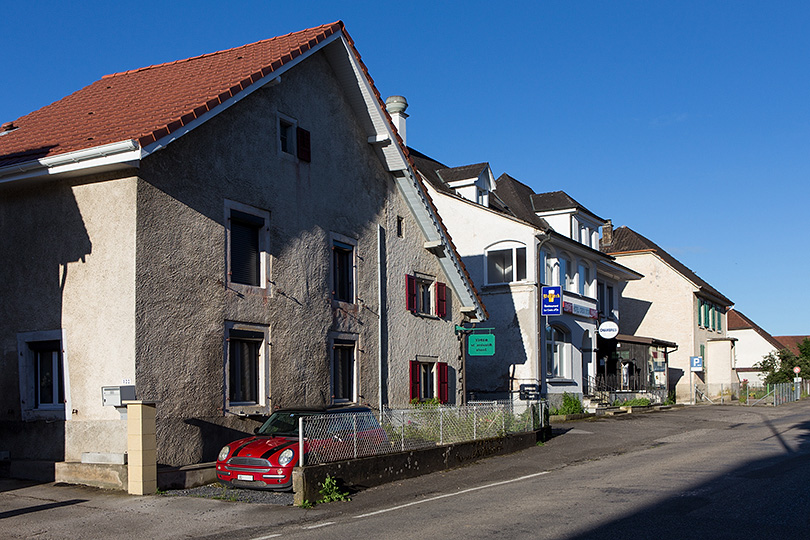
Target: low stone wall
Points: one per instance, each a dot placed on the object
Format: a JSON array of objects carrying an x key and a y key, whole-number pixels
[
  {"x": 101, "y": 475},
  {"x": 376, "y": 470}
]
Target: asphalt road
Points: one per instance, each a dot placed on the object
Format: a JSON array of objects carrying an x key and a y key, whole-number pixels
[{"x": 698, "y": 472}]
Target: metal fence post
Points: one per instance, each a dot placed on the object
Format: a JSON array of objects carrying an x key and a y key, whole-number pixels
[
  {"x": 475, "y": 423},
  {"x": 441, "y": 426},
  {"x": 354, "y": 420},
  {"x": 402, "y": 423},
  {"x": 300, "y": 441}
]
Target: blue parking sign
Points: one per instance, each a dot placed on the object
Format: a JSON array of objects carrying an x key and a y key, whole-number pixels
[
  {"x": 696, "y": 363},
  {"x": 551, "y": 303}
]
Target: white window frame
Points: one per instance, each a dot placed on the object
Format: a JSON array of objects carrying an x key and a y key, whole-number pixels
[
  {"x": 346, "y": 241},
  {"x": 28, "y": 406},
  {"x": 264, "y": 245},
  {"x": 567, "y": 277},
  {"x": 585, "y": 286},
  {"x": 431, "y": 363},
  {"x": 292, "y": 142},
  {"x": 262, "y": 404},
  {"x": 507, "y": 245},
  {"x": 337, "y": 340},
  {"x": 559, "y": 365}
]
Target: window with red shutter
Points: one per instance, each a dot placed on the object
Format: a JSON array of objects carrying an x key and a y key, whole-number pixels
[
  {"x": 414, "y": 379},
  {"x": 410, "y": 293},
  {"x": 444, "y": 386},
  {"x": 441, "y": 299}
]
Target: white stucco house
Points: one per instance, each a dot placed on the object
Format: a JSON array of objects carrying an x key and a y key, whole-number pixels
[
  {"x": 753, "y": 344},
  {"x": 513, "y": 241}
]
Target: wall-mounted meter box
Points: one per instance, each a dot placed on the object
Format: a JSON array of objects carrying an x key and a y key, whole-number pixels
[{"x": 114, "y": 396}]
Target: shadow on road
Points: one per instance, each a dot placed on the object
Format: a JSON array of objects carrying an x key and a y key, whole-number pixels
[
  {"x": 765, "y": 498},
  {"x": 40, "y": 508}
]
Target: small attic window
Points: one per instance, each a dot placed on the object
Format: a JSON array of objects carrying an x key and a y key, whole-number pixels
[
  {"x": 286, "y": 136},
  {"x": 292, "y": 139}
]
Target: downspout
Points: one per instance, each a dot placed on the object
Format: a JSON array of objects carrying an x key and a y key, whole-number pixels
[
  {"x": 380, "y": 308},
  {"x": 538, "y": 318}
]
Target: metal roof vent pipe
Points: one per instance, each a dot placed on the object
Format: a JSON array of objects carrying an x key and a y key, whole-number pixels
[{"x": 396, "y": 105}]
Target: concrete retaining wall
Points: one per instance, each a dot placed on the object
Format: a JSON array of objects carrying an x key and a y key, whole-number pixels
[{"x": 377, "y": 470}]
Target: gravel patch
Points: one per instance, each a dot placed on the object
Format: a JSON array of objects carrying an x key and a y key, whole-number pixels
[{"x": 219, "y": 492}]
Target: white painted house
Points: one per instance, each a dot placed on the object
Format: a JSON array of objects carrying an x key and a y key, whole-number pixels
[
  {"x": 513, "y": 241},
  {"x": 753, "y": 344}
]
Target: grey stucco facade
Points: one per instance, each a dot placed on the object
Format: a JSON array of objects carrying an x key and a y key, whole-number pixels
[{"x": 132, "y": 268}]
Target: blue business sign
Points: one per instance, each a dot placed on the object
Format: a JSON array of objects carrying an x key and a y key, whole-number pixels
[{"x": 551, "y": 303}]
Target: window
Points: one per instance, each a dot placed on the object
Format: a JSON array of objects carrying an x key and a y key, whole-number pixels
[
  {"x": 429, "y": 379},
  {"x": 506, "y": 265},
  {"x": 343, "y": 271},
  {"x": 245, "y": 365},
  {"x": 424, "y": 295},
  {"x": 49, "y": 385},
  {"x": 400, "y": 226},
  {"x": 584, "y": 279},
  {"x": 558, "y": 352},
  {"x": 293, "y": 140},
  {"x": 247, "y": 237},
  {"x": 567, "y": 278},
  {"x": 343, "y": 370},
  {"x": 43, "y": 375},
  {"x": 286, "y": 135}
]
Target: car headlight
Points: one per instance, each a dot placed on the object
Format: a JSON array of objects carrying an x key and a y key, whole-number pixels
[
  {"x": 223, "y": 454},
  {"x": 285, "y": 457}
]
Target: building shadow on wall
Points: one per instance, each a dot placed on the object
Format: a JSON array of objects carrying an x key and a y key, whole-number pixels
[
  {"x": 43, "y": 235},
  {"x": 633, "y": 312},
  {"x": 494, "y": 377}
]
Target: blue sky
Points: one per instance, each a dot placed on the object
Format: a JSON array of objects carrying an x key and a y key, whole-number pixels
[{"x": 686, "y": 121}]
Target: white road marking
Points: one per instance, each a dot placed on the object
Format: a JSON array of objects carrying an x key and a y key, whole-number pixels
[
  {"x": 423, "y": 501},
  {"x": 319, "y": 525},
  {"x": 266, "y": 537}
]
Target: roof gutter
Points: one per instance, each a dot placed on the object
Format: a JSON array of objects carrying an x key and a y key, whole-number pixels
[{"x": 122, "y": 153}]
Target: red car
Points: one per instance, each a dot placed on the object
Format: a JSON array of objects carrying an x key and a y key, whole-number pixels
[{"x": 266, "y": 460}]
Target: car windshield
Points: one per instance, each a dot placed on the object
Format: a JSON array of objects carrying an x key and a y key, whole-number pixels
[{"x": 282, "y": 423}]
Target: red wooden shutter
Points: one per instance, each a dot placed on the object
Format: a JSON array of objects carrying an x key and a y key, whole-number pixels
[
  {"x": 302, "y": 140},
  {"x": 414, "y": 379},
  {"x": 441, "y": 299},
  {"x": 444, "y": 394},
  {"x": 410, "y": 293}
]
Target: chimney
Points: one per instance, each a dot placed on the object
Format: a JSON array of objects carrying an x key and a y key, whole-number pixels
[
  {"x": 396, "y": 105},
  {"x": 607, "y": 236}
]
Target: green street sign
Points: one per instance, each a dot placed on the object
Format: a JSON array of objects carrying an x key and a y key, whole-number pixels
[{"x": 481, "y": 345}]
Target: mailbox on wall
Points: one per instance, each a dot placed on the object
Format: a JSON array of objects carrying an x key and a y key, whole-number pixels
[{"x": 114, "y": 396}]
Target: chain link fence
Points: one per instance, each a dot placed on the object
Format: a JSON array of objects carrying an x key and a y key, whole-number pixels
[
  {"x": 749, "y": 394},
  {"x": 337, "y": 437}
]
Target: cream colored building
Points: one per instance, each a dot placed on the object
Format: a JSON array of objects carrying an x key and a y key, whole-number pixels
[{"x": 673, "y": 303}]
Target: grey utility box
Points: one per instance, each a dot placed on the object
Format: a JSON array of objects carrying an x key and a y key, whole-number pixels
[{"x": 114, "y": 396}]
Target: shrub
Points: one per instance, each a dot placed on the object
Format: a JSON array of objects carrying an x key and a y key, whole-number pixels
[{"x": 570, "y": 405}]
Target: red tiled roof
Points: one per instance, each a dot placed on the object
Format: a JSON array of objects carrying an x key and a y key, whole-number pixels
[
  {"x": 149, "y": 103},
  {"x": 737, "y": 321},
  {"x": 791, "y": 342}
]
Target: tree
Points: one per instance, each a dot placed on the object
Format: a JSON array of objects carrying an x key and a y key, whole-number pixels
[{"x": 778, "y": 366}]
